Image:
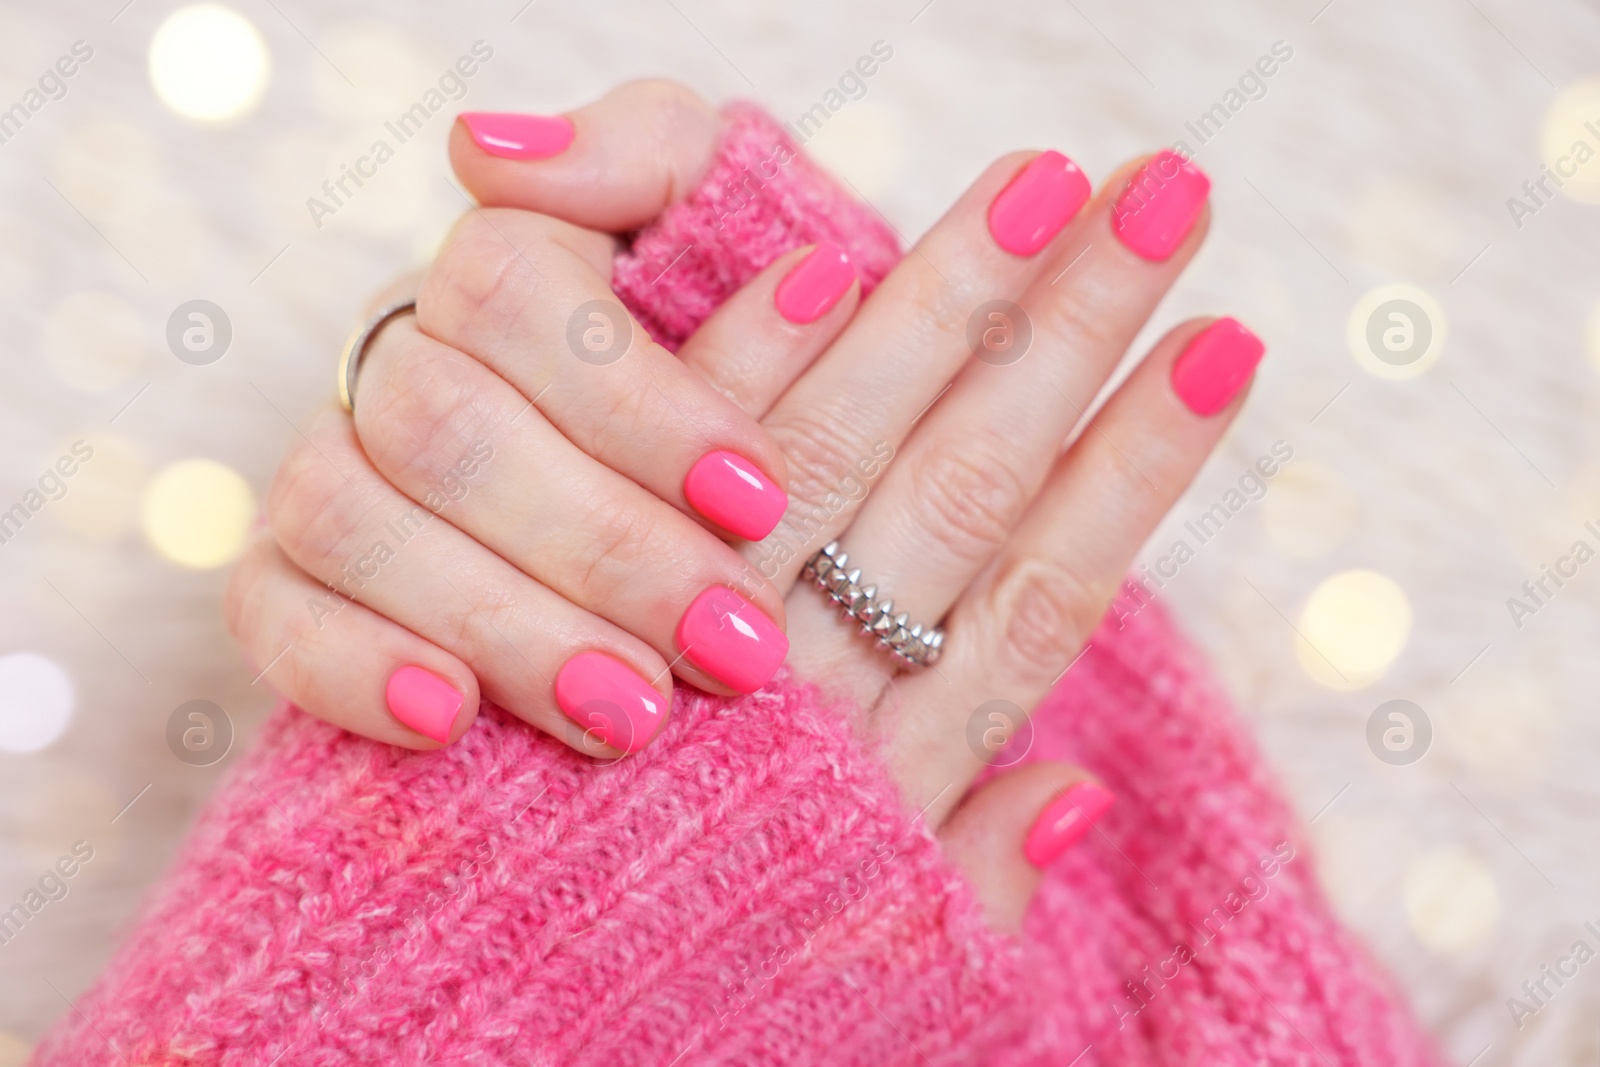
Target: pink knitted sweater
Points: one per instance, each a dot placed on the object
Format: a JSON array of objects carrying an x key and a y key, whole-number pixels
[{"x": 749, "y": 889}]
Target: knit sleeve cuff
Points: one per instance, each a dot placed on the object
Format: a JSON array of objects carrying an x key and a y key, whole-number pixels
[
  {"x": 760, "y": 198},
  {"x": 749, "y": 888}
]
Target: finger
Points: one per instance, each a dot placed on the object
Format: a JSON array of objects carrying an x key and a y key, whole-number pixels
[
  {"x": 762, "y": 338},
  {"x": 510, "y": 291},
  {"x": 349, "y": 666},
  {"x": 342, "y": 523},
  {"x": 1019, "y": 626},
  {"x": 1007, "y": 831},
  {"x": 612, "y": 165},
  {"x": 968, "y": 473},
  {"x": 570, "y": 523},
  {"x": 857, "y": 403}
]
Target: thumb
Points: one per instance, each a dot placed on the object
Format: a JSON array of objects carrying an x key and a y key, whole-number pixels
[{"x": 1007, "y": 830}]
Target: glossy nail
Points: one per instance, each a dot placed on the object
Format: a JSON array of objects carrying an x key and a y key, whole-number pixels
[
  {"x": 1065, "y": 820},
  {"x": 513, "y": 136},
  {"x": 602, "y": 694},
  {"x": 1037, "y": 203},
  {"x": 1215, "y": 366},
  {"x": 423, "y": 701},
  {"x": 1160, "y": 205},
  {"x": 815, "y": 284},
  {"x": 733, "y": 493},
  {"x": 725, "y": 635}
]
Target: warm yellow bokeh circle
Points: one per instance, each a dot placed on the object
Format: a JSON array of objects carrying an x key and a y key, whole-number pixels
[
  {"x": 197, "y": 513},
  {"x": 1354, "y": 626},
  {"x": 209, "y": 63}
]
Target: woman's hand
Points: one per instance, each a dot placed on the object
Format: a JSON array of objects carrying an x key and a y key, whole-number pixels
[{"x": 981, "y": 520}]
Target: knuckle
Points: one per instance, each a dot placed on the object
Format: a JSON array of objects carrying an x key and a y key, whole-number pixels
[
  {"x": 1046, "y": 612},
  {"x": 421, "y": 408},
  {"x": 480, "y": 279},
  {"x": 967, "y": 494},
  {"x": 243, "y": 589},
  {"x": 824, "y": 460},
  {"x": 309, "y": 508},
  {"x": 617, "y": 534}
]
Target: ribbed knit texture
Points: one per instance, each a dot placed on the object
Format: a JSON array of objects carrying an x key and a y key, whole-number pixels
[{"x": 749, "y": 889}]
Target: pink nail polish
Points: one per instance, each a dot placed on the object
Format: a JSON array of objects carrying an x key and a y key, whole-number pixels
[
  {"x": 600, "y": 693},
  {"x": 1160, "y": 205},
  {"x": 1214, "y": 366},
  {"x": 1037, "y": 203},
  {"x": 1065, "y": 820},
  {"x": 513, "y": 136},
  {"x": 724, "y": 635},
  {"x": 733, "y": 493},
  {"x": 423, "y": 701},
  {"x": 815, "y": 284}
]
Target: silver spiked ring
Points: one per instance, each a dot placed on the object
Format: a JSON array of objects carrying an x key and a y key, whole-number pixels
[{"x": 911, "y": 644}]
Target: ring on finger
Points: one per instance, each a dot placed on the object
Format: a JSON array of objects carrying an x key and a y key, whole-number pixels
[
  {"x": 910, "y": 643},
  {"x": 356, "y": 347}
]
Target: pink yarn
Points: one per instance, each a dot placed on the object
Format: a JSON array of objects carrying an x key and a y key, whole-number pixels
[{"x": 748, "y": 890}]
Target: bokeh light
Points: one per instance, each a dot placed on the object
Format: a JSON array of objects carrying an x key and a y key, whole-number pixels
[
  {"x": 1450, "y": 898},
  {"x": 208, "y": 63},
  {"x": 1564, "y": 128},
  {"x": 1353, "y": 627},
  {"x": 1396, "y": 331},
  {"x": 36, "y": 702},
  {"x": 197, "y": 513},
  {"x": 93, "y": 341}
]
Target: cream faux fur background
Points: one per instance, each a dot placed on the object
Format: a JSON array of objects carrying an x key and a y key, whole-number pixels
[{"x": 1381, "y": 151}]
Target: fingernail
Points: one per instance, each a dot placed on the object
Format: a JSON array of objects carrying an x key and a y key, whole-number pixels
[
  {"x": 423, "y": 701},
  {"x": 1065, "y": 820},
  {"x": 724, "y": 635},
  {"x": 1215, "y": 366},
  {"x": 600, "y": 693},
  {"x": 733, "y": 493},
  {"x": 1160, "y": 205},
  {"x": 513, "y": 136},
  {"x": 815, "y": 284},
  {"x": 1037, "y": 203}
]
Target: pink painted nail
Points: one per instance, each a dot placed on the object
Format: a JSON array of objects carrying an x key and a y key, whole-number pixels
[
  {"x": 512, "y": 136},
  {"x": 423, "y": 701},
  {"x": 1065, "y": 820},
  {"x": 724, "y": 635},
  {"x": 1215, "y": 365},
  {"x": 733, "y": 493},
  {"x": 815, "y": 284},
  {"x": 1160, "y": 205},
  {"x": 1037, "y": 203},
  {"x": 600, "y": 693}
]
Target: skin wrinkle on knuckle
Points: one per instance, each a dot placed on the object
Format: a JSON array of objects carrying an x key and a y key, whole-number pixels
[
  {"x": 820, "y": 450},
  {"x": 425, "y": 414},
  {"x": 965, "y": 494},
  {"x": 481, "y": 280},
  {"x": 1045, "y": 613},
  {"x": 617, "y": 535},
  {"x": 310, "y": 511}
]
